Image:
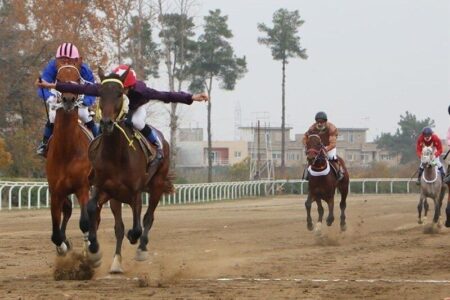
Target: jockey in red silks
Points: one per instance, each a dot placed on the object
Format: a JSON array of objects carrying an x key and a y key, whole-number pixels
[
  {"x": 66, "y": 54},
  {"x": 429, "y": 139}
]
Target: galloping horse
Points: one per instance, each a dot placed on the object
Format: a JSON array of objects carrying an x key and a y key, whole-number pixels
[
  {"x": 322, "y": 183},
  {"x": 431, "y": 186},
  {"x": 67, "y": 163},
  {"x": 120, "y": 174}
]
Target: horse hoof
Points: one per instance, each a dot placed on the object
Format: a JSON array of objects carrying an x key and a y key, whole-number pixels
[
  {"x": 95, "y": 258},
  {"x": 116, "y": 267},
  {"x": 68, "y": 244},
  {"x": 420, "y": 221},
  {"x": 141, "y": 255},
  {"x": 343, "y": 227},
  {"x": 130, "y": 237},
  {"x": 310, "y": 226},
  {"x": 447, "y": 223},
  {"x": 62, "y": 249},
  {"x": 318, "y": 229}
]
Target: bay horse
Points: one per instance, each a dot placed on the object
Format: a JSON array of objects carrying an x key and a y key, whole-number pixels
[
  {"x": 322, "y": 184},
  {"x": 431, "y": 186},
  {"x": 120, "y": 175},
  {"x": 67, "y": 164}
]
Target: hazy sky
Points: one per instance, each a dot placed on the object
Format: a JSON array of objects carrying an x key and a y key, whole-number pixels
[{"x": 369, "y": 62}]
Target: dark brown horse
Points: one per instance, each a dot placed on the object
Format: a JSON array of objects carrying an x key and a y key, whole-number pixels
[
  {"x": 67, "y": 163},
  {"x": 322, "y": 183},
  {"x": 120, "y": 174}
]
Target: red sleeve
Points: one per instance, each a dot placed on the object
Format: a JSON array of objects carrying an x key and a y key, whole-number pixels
[
  {"x": 419, "y": 146},
  {"x": 438, "y": 145}
]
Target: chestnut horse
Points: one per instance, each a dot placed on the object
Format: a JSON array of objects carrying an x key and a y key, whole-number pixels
[
  {"x": 322, "y": 183},
  {"x": 120, "y": 175},
  {"x": 67, "y": 163}
]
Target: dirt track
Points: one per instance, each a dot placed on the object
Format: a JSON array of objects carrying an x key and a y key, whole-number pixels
[{"x": 258, "y": 249}]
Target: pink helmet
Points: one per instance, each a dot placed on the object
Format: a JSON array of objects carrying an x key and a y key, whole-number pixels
[
  {"x": 130, "y": 80},
  {"x": 67, "y": 50}
]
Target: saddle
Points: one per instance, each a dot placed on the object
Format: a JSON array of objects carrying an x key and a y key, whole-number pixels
[{"x": 137, "y": 139}]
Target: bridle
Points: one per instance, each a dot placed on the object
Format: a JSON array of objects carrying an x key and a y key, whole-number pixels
[
  {"x": 59, "y": 95},
  {"x": 320, "y": 153}
]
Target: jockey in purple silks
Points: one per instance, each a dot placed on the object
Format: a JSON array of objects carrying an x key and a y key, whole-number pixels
[
  {"x": 139, "y": 95},
  {"x": 66, "y": 54}
]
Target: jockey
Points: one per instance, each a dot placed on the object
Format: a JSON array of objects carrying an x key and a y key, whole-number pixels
[
  {"x": 328, "y": 134},
  {"x": 428, "y": 138},
  {"x": 66, "y": 54},
  {"x": 139, "y": 95}
]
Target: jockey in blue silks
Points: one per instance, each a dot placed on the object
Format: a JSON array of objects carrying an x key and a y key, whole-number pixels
[{"x": 66, "y": 53}]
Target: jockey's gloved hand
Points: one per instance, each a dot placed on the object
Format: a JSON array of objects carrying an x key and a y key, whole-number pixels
[{"x": 51, "y": 99}]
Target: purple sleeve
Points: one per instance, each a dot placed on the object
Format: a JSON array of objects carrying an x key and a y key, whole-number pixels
[
  {"x": 167, "y": 97},
  {"x": 80, "y": 89}
]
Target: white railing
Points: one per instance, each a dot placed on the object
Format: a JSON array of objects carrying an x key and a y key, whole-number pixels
[{"x": 36, "y": 194}]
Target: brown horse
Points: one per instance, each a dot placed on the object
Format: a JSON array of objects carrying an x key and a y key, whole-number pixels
[
  {"x": 67, "y": 163},
  {"x": 120, "y": 174},
  {"x": 322, "y": 183}
]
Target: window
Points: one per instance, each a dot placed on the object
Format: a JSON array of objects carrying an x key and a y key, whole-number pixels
[
  {"x": 350, "y": 157},
  {"x": 385, "y": 157},
  {"x": 237, "y": 154},
  {"x": 350, "y": 138},
  {"x": 340, "y": 138}
]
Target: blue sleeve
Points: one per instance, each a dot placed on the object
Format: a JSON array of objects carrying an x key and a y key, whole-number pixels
[
  {"x": 49, "y": 75},
  {"x": 87, "y": 75}
]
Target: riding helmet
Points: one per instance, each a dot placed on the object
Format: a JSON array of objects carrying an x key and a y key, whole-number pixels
[
  {"x": 321, "y": 116},
  {"x": 130, "y": 80},
  {"x": 427, "y": 131},
  {"x": 67, "y": 50}
]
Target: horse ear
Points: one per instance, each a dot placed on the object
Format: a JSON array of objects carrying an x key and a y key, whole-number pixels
[
  {"x": 124, "y": 75},
  {"x": 101, "y": 73}
]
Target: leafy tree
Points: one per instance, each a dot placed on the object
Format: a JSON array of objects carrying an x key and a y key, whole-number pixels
[
  {"x": 177, "y": 32},
  {"x": 5, "y": 156},
  {"x": 405, "y": 137},
  {"x": 215, "y": 60},
  {"x": 284, "y": 43},
  {"x": 239, "y": 171}
]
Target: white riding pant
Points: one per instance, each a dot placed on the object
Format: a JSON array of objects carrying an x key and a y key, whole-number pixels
[
  {"x": 332, "y": 154},
  {"x": 435, "y": 161},
  {"x": 139, "y": 116},
  {"x": 83, "y": 111}
]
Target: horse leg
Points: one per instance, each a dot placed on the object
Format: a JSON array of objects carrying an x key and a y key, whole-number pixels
[
  {"x": 93, "y": 210},
  {"x": 343, "y": 190},
  {"x": 135, "y": 233},
  {"x": 83, "y": 197},
  {"x": 119, "y": 229},
  {"x": 425, "y": 209},
  {"x": 309, "y": 223},
  {"x": 419, "y": 209},
  {"x": 330, "y": 218},
  {"x": 447, "y": 210},
  {"x": 57, "y": 234},
  {"x": 319, "y": 221},
  {"x": 67, "y": 213}
]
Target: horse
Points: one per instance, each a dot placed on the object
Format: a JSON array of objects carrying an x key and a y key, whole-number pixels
[
  {"x": 322, "y": 184},
  {"x": 120, "y": 175},
  {"x": 67, "y": 164},
  {"x": 431, "y": 186}
]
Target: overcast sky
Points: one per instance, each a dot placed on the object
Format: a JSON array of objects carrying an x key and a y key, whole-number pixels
[{"x": 369, "y": 62}]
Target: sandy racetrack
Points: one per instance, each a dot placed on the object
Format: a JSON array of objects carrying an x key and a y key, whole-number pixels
[{"x": 256, "y": 248}]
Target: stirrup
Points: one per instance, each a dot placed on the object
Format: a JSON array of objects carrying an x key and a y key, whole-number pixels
[{"x": 42, "y": 149}]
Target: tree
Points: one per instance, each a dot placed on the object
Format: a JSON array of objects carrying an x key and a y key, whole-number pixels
[
  {"x": 284, "y": 43},
  {"x": 143, "y": 51},
  {"x": 215, "y": 60},
  {"x": 177, "y": 32},
  {"x": 404, "y": 140},
  {"x": 5, "y": 156}
]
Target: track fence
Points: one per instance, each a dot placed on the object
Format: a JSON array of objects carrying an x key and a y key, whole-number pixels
[{"x": 29, "y": 195}]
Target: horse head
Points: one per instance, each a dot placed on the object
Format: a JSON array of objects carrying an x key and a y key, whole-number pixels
[
  {"x": 427, "y": 156},
  {"x": 68, "y": 73},
  {"x": 315, "y": 152},
  {"x": 111, "y": 99}
]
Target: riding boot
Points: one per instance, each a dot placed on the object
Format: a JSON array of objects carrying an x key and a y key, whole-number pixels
[
  {"x": 48, "y": 131},
  {"x": 305, "y": 173},
  {"x": 93, "y": 128},
  {"x": 419, "y": 176},
  {"x": 442, "y": 172},
  {"x": 154, "y": 139}
]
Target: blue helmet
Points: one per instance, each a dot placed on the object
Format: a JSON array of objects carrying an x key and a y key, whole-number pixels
[{"x": 427, "y": 131}]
